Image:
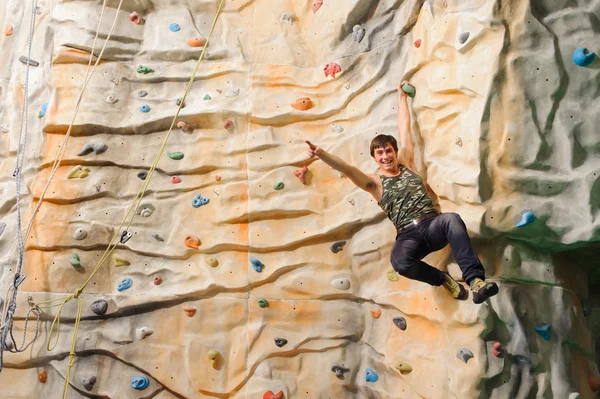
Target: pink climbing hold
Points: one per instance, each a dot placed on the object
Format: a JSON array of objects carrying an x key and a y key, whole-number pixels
[
  {"x": 418, "y": 43},
  {"x": 183, "y": 126},
  {"x": 299, "y": 173},
  {"x": 497, "y": 349},
  {"x": 316, "y": 5},
  {"x": 135, "y": 18},
  {"x": 271, "y": 395},
  {"x": 331, "y": 69},
  {"x": 157, "y": 280},
  {"x": 175, "y": 180},
  {"x": 228, "y": 124}
]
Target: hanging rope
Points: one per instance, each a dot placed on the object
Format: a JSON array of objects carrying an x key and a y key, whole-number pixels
[{"x": 127, "y": 220}]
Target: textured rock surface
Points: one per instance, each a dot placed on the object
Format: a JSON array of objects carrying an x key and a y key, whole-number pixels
[{"x": 504, "y": 122}]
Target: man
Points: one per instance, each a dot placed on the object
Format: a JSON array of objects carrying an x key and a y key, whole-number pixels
[{"x": 400, "y": 192}]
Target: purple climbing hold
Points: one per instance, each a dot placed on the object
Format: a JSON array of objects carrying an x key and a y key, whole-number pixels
[
  {"x": 99, "y": 307},
  {"x": 400, "y": 322}
]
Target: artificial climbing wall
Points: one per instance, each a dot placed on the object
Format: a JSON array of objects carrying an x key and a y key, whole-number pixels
[{"x": 280, "y": 285}]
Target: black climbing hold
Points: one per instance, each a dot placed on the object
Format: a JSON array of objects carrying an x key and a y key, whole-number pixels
[
  {"x": 178, "y": 102},
  {"x": 99, "y": 307},
  {"x": 400, "y": 322},
  {"x": 97, "y": 147},
  {"x": 337, "y": 246},
  {"x": 464, "y": 354},
  {"x": 157, "y": 237},
  {"x": 142, "y": 175},
  {"x": 125, "y": 236},
  {"x": 88, "y": 382},
  {"x": 280, "y": 342},
  {"x": 463, "y": 37},
  {"x": 339, "y": 371},
  {"x": 142, "y": 93},
  {"x": 33, "y": 63}
]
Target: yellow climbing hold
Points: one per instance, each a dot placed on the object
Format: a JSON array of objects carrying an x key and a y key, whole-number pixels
[
  {"x": 118, "y": 261},
  {"x": 213, "y": 357},
  {"x": 212, "y": 262},
  {"x": 392, "y": 275},
  {"x": 79, "y": 172},
  {"x": 404, "y": 367}
]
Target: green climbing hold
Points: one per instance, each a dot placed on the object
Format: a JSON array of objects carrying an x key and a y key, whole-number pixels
[
  {"x": 392, "y": 275},
  {"x": 263, "y": 303},
  {"x": 279, "y": 186},
  {"x": 75, "y": 261},
  {"x": 175, "y": 155},
  {"x": 410, "y": 90},
  {"x": 144, "y": 69},
  {"x": 206, "y": 97}
]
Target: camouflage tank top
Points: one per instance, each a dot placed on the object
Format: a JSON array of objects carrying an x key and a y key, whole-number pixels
[{"x": 404, "y": 197}]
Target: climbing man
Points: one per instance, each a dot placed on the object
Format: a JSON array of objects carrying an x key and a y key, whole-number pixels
[{"x": 421, "y": 229}]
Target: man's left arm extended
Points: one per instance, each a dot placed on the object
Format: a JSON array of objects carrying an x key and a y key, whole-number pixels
[{"x": 407, "y": 149}]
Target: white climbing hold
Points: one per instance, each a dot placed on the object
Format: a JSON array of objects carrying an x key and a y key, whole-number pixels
[
  {"x": 287, "y": 18},
  {"x": 146, "y": 212},
  {"x": 2, "y": 228},
  {"x": 217, "y": 191},
  {"x": 233, "y": 92},
  {"x": 464, "y": 354},
  {"x": 115, "y": 81},
  {"x": 111, "y": 99},
  {"x": 351, "y": 201},
  {"x": 341, "y": 283},
  {"x": 4, "y": 128},
  {"x": 358, "y": 33},
  {"x": 143, "y": 332},
  {"x": 336, "y": 128},
  {"x": 80, "y": 234}
]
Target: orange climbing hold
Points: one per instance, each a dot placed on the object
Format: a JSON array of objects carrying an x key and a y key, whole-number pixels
[
  {"x": 8, "y": 30},
  {"x": 300, "y": 173},
  {"x": 271, "y": 395},
  {"x": 192, "y": 241},
  {"x": 302, "y": 104},
  {"x": 376, "y": 313},
  {"x": 228, "y": 124},
  {"x": 189, "y": 311},
  {"x": 218, "y": 178},
  {"x": 418, "y": 43},
  {"x": 42, "y": 376},
  {"x": 316, "y": 5},
  {"x": 135, "y": 18},
  {"x": 183, "y": 126},
  {"x": 331, "y": 69},
  {"x": 197, "y": 41}
]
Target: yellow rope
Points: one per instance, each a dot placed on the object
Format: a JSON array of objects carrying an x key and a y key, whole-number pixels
[{"x": 130, "y": 215}]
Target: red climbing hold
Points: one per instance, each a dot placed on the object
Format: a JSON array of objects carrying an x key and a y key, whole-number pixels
[
  {"x": 497, "y": 349},
  {"x": 331, "y": 69},
  {"x": 418, "y": 43},
  {"x": 316, "y": 5},
  {"x": 157, "y": 280},
  {"x": 42, "y": 377},
  {"x": 271, "y": 395},
  {"x": 228, "y": 124},
  {"x": 135, "y": 18},
  {"x": 175, "y": 180},
  {"x": 299, "y": 173}
]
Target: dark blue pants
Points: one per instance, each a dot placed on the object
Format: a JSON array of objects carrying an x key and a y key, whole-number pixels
[{"x": 431, "y": 235}]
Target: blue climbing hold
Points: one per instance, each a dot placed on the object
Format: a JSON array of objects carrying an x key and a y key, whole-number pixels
[
  {"x": 256, "y": 264},
  {"x": 199, "y": 200},
  {"x": 583, "y": 57},
  {"x": 527, "y": 218},
  {"x": 126, "y": 283},
  {"x": 145, "y": 108},
  {"x": 371, "y": 376},
  {"x": 174, "y": 28},
  {"x": 544, "y": 330},
  {"x": 43, "y": 110},
  {"x": 140, "y": 383}
]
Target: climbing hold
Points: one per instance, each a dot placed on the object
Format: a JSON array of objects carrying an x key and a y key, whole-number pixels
[
  {"x": 526, "y": 218},
  {"x": 157, "y": 237},
  {"x": 544, "y": 330},
  {"x": 280, "y": 342},
  {"x": 316, "y": 5},
  {"x": 175, "y": 155},
  {"x": 99, "y": 307},
  {"x": 358, "y": 33},
  {"x": 228, "y": 124},
  {"x": 256, "y": 264},
  {"x": 174, "y": 28},
  {"x": 42, "y": 377},
  {"x": 302, "y": 104},
  {"x": 212, "y": 262},
  {"x": 409, "y": 89},
  {"x": 583, "y": 57},
  {"x": 197, "y": 41},
  {"x": 97, "y": 147},
  {"x": 594, "y": 382},
  {"x": 43, "y": 110},
  {"x": 33, "y": 63},
  {"x": 339, "y": 371},
  {"x": 111, "y": 99},
  {"x": 189, "y": 311},
  {"x": 192, "y": 241},
  {"x": 142, "y": 93},
  {"x": 341, "y": 283},
  {"x": 144, "y": 69},
  {"x": 336, "y": 128},
  {"x": 464, "y": 354},
  {"x": 376, "y": 313},
  {"x": 206, "y": 97},
  {"x": 178, "y": 102},
  {"x": 125, "y": 236},
  {"x": 145, "y": 108},
  {"x": 199, "y": 200},
  {"x": 331, "y": 69},
  {"x": 80, "y": 234},
  {"x": 158, "y": 280},
  {"x": 125, "y": 284},
  {"x": 135, "y": 18},
  {"x": 417, "y": 43},
  {"x": 175, "y": 180},
  {"x": 263, "y": 303},
  {"x": 146, "y": 211},
  {"x": 75, "y": 261},
  {"x": 271, "y": 395},
  {"x": 232, "y": 93},
  {"x": 218, "y": 178},
  {"x": 497, "y": 349},
  {"x": 78, "y": 172},
  {"x": 213, "y": 357},
  {"x": 2, "y": 228},
  {"x": 143, "y": 332},
  {"x": 400, "y": 322},
  {"x": 371, "y": 376},
  {"x": 88, "y": 382},
  {"x": 337, "y": 246},
  {"x": 279, "y": 186},
  {"x": 404, "y": 367},
  {"x": 183, "y": 126},
  {"x": 142, "y": 175},
  {"x": 300, "y": 173},
  {"x": 119, "y": 261},
  {"x": 463, "y": 37},
  {"x": 587, "y": 308},
  {"x": 287, "y": 18},
  {"x": 4, "y": 128},
  {"x": 459, "y": 142},
  {"x": 140, "y": 383},
  {"x": 392, "y": 275},
  {"x": 8, "y": 30}
]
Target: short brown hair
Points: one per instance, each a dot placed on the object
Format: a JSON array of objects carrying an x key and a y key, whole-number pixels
[{"x": 381, "y": 141}]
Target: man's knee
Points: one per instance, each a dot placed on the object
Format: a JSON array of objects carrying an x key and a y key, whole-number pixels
[{"x": 405, "y": 268}]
